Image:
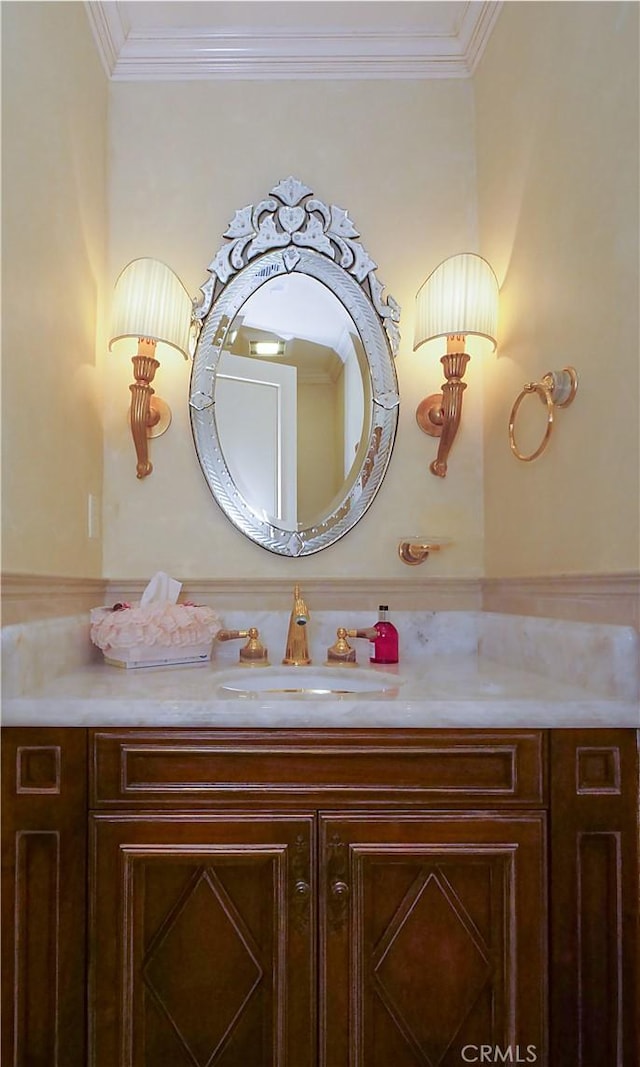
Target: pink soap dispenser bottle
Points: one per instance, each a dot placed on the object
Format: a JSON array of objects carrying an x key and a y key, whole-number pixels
[{"x": 385, "y": 645}]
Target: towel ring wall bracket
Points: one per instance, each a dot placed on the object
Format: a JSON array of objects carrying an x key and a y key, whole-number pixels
[{"x": 557, "y": 390}]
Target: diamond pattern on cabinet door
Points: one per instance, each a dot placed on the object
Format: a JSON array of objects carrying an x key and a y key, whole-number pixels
[
  {"x": 431, "y": 933},
  {"x": 205, "y": 1000}
]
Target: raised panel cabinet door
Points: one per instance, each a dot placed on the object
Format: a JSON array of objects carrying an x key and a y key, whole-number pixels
[
  {"x": 202, "y": 941},
  {"x": 432, "y": 938},
  {"x": 44, "y": 876},
  {"x": 595, "y": 1011}
]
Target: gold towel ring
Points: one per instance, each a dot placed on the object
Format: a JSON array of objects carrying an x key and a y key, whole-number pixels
[{"x": 557, "y": 389}]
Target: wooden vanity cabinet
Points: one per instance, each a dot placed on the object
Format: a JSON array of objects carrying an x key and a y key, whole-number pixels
[
  {"x": 44, "y": 898},
  {"x": 322, "y": 898},
  {"x": 594, "y": 935},
  {"x": 340, "y": 898}
]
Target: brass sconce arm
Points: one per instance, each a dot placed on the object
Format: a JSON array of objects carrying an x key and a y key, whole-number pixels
[
  {"x": 149, "y": 417},
  {"x": 439, "y": 414}
]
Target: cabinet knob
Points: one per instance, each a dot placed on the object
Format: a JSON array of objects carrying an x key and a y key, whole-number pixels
[
  {"x": 339, "y": 889},
  {"x": 302, "y": 889}
]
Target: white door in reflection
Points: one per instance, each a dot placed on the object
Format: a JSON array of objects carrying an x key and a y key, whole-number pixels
[{"x": 256, "y": 416}]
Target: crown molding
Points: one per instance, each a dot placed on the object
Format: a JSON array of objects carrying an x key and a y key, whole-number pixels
[
  {"x": 475, "y": 31},
  {"x": 188, "y": 54},
  {"x": 109, "y": 31}
]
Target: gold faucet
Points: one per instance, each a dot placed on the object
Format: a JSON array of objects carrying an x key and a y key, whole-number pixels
[{"x": 297, "y": 650}]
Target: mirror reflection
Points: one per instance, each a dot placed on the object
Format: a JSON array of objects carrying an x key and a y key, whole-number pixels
[{"x": 293, "y": 400}]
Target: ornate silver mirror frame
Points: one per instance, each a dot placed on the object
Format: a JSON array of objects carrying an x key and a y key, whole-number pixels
[{"x": 293, "y": 231}]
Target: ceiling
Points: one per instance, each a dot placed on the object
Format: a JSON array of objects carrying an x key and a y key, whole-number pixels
[{"x": 144, "y": 40}]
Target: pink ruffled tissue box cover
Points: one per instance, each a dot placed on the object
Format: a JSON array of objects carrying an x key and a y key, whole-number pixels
[{"x": 155, "y": 634}]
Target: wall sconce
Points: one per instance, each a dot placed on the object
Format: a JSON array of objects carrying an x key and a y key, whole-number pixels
[
  {"x": 459, "y": 301},
  {"x": 151, "y": 307}
]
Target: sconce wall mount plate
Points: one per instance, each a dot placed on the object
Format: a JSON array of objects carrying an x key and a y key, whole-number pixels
[
  {"x": 160, "y": 420},
  {"x": 429, "y": 414}
]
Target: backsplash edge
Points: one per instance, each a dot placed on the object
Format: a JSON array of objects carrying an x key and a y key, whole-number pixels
[{"x": 606, "y": 598}]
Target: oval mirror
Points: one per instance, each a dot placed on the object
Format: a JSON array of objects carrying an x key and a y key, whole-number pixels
[{"x": 294, "y": 398}]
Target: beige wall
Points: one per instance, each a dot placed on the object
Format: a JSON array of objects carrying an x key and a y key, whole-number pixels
[
  {"x": 184, "y": 156},
  {"x": 54, "y": 123},
  {"x": 557, "y": 181},
  {"x": 557, "y": 144}
]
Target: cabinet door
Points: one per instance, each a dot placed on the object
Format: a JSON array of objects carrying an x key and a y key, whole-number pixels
[
  {"x": 595, "y": 1017},
  {"x": 44, "y": 782},
  {"x": 202, "y": 941},
  {"x": 433, "y": 934}
]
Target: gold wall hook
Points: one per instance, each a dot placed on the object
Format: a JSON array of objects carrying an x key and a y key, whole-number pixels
[{"x": 416, "y": 549}]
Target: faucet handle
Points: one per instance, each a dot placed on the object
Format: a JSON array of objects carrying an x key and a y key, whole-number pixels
[
  {"x": 253, "y": 654},
  {"x": 342, "y": 651}
]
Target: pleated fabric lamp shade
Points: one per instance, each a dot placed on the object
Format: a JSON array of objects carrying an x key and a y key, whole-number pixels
[
  {"x": 150, "y": 301},
  {"x": 460, "y": 297}
]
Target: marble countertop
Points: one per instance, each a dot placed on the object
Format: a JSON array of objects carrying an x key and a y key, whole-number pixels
[{"x": 465, "y": 692}]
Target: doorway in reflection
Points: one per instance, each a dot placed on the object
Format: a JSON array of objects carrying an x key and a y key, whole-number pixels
[{"x": 293, "y": 427}]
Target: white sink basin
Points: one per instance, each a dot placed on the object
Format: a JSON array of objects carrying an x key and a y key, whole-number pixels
[{"x": 307, "y": 681}]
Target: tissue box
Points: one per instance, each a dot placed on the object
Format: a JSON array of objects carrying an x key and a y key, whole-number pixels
[
  {"x": 154, "y": 635},
  {"x": 157, "y": 655}
]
